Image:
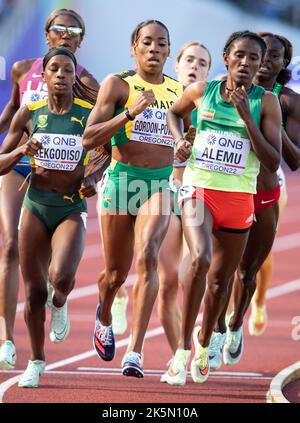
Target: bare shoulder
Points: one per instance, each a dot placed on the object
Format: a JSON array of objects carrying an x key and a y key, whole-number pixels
[
  {"x": 20, "y": 69},
  {"x": 195, "y": 91},
  {"x": 290, "y": 100}
]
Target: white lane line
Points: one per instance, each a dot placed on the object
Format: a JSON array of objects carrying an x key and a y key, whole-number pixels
[
  {"x": 85, "y": 291},
  {"x": 286, "y": 288},
  {"x": 121, "y": 343},
  {"x": 116, "y": 369},
  {"x": 89, "y": 290},
  {"x": 149, "y": 372}
]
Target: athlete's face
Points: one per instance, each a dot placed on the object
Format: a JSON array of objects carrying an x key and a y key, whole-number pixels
[
  {"x": 193, "y": 65},
  {"x": 64, "y": 39},
  {"x": 60, "y": 75},
  {"x": 273, "y": 61},
  {"x": 151, "y": 49},
  {"x": 243, "y": 61}
]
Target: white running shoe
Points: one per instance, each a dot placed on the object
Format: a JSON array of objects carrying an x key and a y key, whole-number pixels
[
  {"x": 200, "y": 362},
  {"x": 163, "y": 377},
  {"x": 50, "y": 290},
  {"x": 118, "y": 311},
  {"x": 257, "y": 322},
  {"x": 234, "y": 346},
  {"x": 177, "y": 373},
  {"x": 30, "y": 378},
  {"x": 8, "y": 355},
  {"x": 216, "y": 344},
  {"x": 60, "y": 324}
]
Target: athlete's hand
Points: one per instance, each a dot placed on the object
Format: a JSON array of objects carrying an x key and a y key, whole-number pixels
[
  {"x": 144, "y": 100},
  {"x": 87, "y": 188},
  {"x": 239, "y": 98},
  {"x": 183, "y": 150},
  {"x": 190, "y": 134},
  {"x": 31, "y": 147}
]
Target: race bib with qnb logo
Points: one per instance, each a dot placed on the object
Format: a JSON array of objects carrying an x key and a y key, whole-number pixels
[
  {"x": 59, "y": 152},
  {"x": 221, "y": 151},
  {"x": 31, "y": 96},
  {"x": 151, "y": 127}
]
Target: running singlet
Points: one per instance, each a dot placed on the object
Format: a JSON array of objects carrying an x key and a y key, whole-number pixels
[
  {"x": 33, "y": 88},
  {"x": 222, "y": 157},
  {"x": 150, "y": 126},
  {"x": 60, "y": 135}
]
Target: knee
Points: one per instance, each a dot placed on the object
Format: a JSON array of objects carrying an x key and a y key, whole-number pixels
[
  {"x": 218, "y": 287},
  {"x": 146, "y": 259},
  {"x": 201, "y": 262},
  {"x": 247, "y": 278},
  {"x": 10, "y": 249},
  {"x": 113, "y": 278},
  {"x": 168, "y": 287},
  {"x": 62, "y": 281}
]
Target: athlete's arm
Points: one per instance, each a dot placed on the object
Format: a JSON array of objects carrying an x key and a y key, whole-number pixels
[
  {"x": 18, "y": 70},
  {"x": 291, "y": 133},
  {"x": 266, "y": 140},
  {"x": 20, "y": 123},
  {"x": 178, "y": 112},
  {"x": 102, "y": 124}
]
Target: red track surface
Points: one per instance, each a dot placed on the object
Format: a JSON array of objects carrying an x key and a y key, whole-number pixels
[{"x": 75, "y": 381}]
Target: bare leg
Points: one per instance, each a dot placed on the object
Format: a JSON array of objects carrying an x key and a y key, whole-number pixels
[
  {"x": 118, "y": 236},
  {"x": 259, "y": 245},
  {"x": 34, "y": 260},
  {"x": 168, "y": 263},
  {"x": 227, "y": 252},
  {"x": 11, "y": 201},
  {"x": 150, "y": 229},
  {"x": 67, "y": 248},
  {"x": 199, "y": 243}
]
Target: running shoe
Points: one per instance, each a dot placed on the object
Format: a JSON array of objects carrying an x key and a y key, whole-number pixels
[
  {"x": 7, "y": 355},
  {"x": 163, "y": 377},
  {"x": 177, "y": 373},
  {"x": 234, "y": 346},
  {"x": 216, "y": 344},
  {"x": 132, "y": 364},
  {"x": 103, "y": 339},
  {"x": 60, "y": 324},
  {"x": 30, "y": 378},
  {"x": 50, "y": 290},
  {"x": 200, "y": 362},
  {"x": 257, "y": 322},
  {"x": 118, "y": 311}
]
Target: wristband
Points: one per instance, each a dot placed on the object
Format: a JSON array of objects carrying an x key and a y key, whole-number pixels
[{"x": 128, "y": 115}]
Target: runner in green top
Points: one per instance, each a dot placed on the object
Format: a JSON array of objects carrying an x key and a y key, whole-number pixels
[
  {"x": 272, "y": 75},
  {"x": 218, "y": 186},
  {"x": 53, "y": 221}
]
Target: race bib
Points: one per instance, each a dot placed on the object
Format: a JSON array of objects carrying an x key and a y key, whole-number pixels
[
  {"x": 222, "y": 152},
  {"x": 59, "y": 152},
  {"x": 151, "y": 127},
  {"x": 32, "y": 95}
]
